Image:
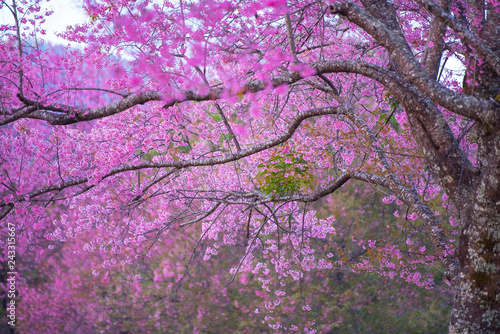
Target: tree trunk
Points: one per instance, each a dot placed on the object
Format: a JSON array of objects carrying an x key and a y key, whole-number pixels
[{"x": 476, "y": 307}]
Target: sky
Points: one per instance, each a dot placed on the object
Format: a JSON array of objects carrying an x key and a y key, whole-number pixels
[{"x": 66, "y": 12}]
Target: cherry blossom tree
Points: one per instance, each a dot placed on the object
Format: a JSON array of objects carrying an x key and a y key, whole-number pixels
[{"x": 231, "y": 120}]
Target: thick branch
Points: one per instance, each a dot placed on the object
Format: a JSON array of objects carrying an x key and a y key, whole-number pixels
[
  {"x": 463, "y": 32},
  {"x": 291, "y": 38},
  {"x": 287, "y": 134},
  {"x": 404, "y": 92},
  {"x": 23, "y": 113},
  {"x": 481, "y": 110},
  {"x": 434, "y": 52},
  {"x": 64, "y": 115}
]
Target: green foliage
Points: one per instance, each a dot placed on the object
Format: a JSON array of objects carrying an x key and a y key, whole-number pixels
[
  {"x": 216, "y": 117},
  {"x": 285, "y": 175},
  {"x": 387, "y": 116},
  {"x": 184, "y": 148},
  {"x": 149, "y": 156},
  {"x": 224, "y": 137}
]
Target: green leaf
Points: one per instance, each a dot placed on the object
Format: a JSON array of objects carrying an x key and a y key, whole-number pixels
[
  {"x": 184, "y": 149},
  {"x": 149, "y": 156},
  {"x": 216, "y": 117},
  {"x": 394, "y": 105},
  {"x": 223, "y": 137},
  {"x": 394, "y": 123}
]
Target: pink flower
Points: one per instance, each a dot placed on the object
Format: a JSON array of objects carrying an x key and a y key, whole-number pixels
[
  {"x": 413, "y": 216},
  {"x": 307, "y": 71},
  {"x": 240, "y": 130},
  {"x": 388, "y": 199}
]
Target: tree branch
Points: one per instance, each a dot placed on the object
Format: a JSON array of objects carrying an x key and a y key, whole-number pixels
[
  {"x": 463, "y": 32},
  {"x": 434, "y": 53},
  {"x": 287, "y": 134},
  {"x": 481, "y": 110}
]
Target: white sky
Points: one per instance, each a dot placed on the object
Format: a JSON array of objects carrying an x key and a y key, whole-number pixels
[{"x": 66, "y": 12}]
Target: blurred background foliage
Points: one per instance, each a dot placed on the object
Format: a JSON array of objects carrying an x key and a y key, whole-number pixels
[{"x": 156, "y": 294}]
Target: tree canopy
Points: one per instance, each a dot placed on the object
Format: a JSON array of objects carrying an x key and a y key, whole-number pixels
[{"x": 183, "y": 131}]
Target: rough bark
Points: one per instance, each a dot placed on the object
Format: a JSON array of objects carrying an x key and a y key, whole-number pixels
[
  {"x": 477, "y": 301},
  {"x": 476, "y": 307},
  {"x": 475, "y": 191}
]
